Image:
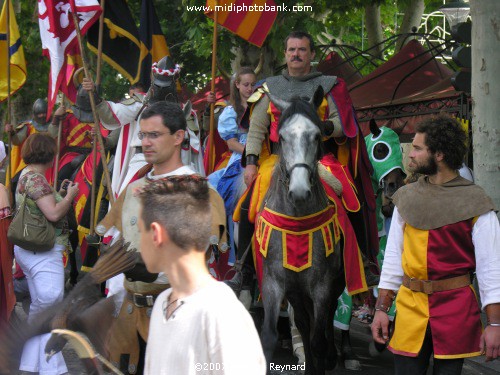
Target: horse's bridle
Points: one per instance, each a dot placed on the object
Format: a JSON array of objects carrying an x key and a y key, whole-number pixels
[{"x": 300, "y": 165}]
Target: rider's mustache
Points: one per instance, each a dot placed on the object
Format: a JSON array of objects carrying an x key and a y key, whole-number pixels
[{"x": 296, "y": 58}]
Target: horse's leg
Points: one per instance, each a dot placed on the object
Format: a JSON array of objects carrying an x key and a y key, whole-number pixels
[
  {"x": 297, "y": 344},
  {"x": 73, "y": 239},
  {"x": 302, "y": 321},
  {"x": 342, "y": 321},
  {"x": 323, "y": 305},
  {"x": 331, "y": 355},
  {"x": 272, "y": 296}
]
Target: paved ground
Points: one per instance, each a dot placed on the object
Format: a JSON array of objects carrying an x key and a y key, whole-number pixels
[{"x": 360, "y": 339}]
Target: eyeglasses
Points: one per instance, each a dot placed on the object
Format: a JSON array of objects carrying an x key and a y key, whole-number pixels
[{"x": 150, "y": 135}]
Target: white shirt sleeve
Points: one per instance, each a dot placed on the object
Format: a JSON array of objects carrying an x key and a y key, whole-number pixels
[
  {"x": 392, "y": 270},
  {"x": 486, "y": 239},
  {"x": 123, "y": 114}
]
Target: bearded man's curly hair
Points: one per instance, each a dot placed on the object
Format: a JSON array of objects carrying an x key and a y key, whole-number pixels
[{"x": 444, "y": 134}]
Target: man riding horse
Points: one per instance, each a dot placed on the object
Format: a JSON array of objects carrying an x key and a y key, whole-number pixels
[{"x": 346, "y": 157}]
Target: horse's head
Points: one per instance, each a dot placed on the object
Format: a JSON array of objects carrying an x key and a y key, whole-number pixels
[
  {"x": 300, "y": 132},
  {"x": 386, "y": 157},
  {"x": 163, "y": 87}
]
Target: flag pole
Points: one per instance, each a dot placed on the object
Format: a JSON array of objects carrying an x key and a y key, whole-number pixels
[
  {"x": 211, "y": 149},
  {"x": 97, "y": 127},
  {"x": 8, "y": 119},
  {"x": 58, "y": 152},
  {"x": 94, "y": 111}
]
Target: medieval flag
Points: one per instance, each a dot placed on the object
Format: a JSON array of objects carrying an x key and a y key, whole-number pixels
[
  {"x": 121, "y": 47},
  {"x": 249, "y": 19},
  {"x": 153, "y": 42},
  {"x": 16, "y": 53},
  {"x": 59, "y": 40}
]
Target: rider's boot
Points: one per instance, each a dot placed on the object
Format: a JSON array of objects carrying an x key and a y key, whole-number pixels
[{"x": 243, "y": 279}]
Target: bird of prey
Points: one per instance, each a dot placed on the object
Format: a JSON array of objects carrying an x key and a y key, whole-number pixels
[{"x": 84, "y": 309}]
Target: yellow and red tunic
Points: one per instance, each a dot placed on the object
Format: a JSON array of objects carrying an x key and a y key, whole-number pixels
[{"x": 453, "y": 315}]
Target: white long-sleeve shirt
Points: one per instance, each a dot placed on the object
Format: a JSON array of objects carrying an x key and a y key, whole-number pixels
[{"x": 486, "y": 240}]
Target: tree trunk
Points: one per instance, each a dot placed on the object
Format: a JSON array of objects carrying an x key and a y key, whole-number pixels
[
  {"x": 373, "y": 26},
  {"x": 250, "y": 56},
  {"x": 485, "y": 16},
  {"x": 412, "y": 18}
]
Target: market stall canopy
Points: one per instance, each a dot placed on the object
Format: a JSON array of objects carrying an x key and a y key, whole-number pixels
[
  {"x": 411, "y": 70},
  {"x": 335, "y": 65}
]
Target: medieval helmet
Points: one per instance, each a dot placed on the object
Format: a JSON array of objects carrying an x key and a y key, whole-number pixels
[
  {"x": 40, "y": 108},
  {"x": 163, "y": 83},
  {"x": 82, "y": 108}
]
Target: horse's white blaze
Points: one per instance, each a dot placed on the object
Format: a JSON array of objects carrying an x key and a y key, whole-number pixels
[{"x": 296, "y": 135}]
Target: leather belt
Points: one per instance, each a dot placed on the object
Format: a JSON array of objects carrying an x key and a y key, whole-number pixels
[
  {"x": 431, "y": 286},
  {"x": 142, "y": 300}
]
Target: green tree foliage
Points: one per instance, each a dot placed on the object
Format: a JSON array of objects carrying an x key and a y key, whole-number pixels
[{"x": 189, "y": 36}]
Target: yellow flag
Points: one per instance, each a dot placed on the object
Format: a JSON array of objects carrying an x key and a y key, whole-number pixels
[{"x": 17, "y": 62}]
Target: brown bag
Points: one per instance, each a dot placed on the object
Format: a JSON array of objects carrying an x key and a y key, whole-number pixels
[{"x": 31, "y": 232}]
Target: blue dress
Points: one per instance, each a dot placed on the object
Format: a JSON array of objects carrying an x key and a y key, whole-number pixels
[{"x": 228, "y": 180}]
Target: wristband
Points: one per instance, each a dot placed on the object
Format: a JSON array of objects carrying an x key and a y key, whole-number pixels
[
  {"x": 493, "y": 324},
  {"x": 252, "y": 159},
  {"x": 385, "y": 300}
]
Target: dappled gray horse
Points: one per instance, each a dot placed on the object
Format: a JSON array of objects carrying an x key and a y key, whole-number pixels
[{"x": 296, "y": 199}]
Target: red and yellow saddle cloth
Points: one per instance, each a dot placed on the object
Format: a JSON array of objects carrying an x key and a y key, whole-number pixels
[{"x": 297, "y": 235}]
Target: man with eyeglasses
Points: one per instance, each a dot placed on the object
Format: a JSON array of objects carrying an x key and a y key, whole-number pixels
[
  {"x": 130, "y": 164},
  {"x": 162, "y": 130}
]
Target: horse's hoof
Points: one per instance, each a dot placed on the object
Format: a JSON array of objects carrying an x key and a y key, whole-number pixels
[
  {"x": 298, "y": 352},
  {"x": 352, "y": 364}
]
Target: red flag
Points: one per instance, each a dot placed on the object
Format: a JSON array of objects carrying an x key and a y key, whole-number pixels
[
  {"x": 250, "y": 19},
  {"x": 58, "y": 35}
]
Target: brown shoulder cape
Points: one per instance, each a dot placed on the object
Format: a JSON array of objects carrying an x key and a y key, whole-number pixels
[{"x": 426, "y": 206}]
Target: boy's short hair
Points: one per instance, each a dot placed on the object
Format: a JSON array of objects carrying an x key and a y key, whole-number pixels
[{"x": 181, "y": 205}]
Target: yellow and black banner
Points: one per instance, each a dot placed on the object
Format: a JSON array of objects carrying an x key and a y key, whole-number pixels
[
  {"x": 121, "y": 47},
  {"x": 153, "y": 42}
]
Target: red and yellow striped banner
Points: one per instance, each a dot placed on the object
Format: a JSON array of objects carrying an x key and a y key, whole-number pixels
[{"x": 250, "y": 19}]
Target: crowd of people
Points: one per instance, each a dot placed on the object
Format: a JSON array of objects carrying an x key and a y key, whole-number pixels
[{"x": 173, "y": 314}]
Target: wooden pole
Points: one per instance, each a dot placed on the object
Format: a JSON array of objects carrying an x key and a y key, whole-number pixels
[
  {"x": 58, "y": 152},
  {"x": 97, "y": 127},
  {"x": 94, "y": 111},
  {"x": 8, "y": 118},
  {"x": 211, "y": 149}
]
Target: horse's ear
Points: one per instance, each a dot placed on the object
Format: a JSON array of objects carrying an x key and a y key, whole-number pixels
[
  {"x": 188, "y": 106},
  {"x": 398, "y": 129},
  {"x": 282, "y": 105},
  {"x": 318, "y": 97},
  {"x": 374, "y": 128}
]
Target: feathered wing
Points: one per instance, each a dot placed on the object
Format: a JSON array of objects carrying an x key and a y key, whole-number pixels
[{"x": 71, "y": 313}]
